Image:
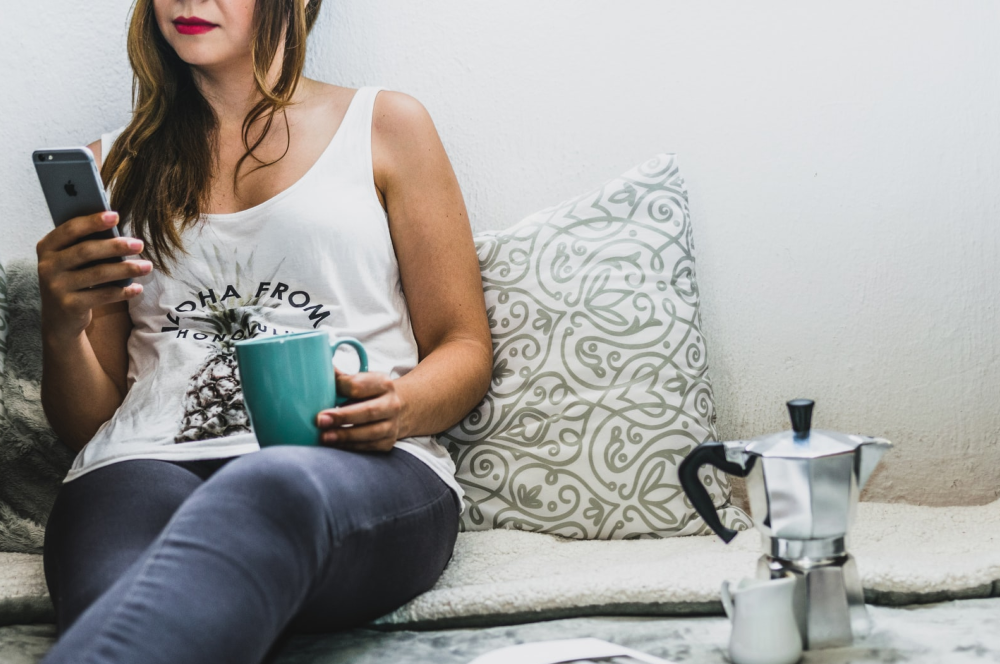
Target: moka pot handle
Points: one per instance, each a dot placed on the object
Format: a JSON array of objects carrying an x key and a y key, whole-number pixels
[{"x": 713, "y": 453}]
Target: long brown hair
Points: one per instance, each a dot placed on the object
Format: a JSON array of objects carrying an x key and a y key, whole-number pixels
[{"x": 162, "y": 163}]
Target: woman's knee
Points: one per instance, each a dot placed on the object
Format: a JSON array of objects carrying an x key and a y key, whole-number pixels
[{"x": 275, "y": 478}]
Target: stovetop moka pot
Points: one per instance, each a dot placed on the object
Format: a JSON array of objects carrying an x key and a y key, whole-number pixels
[{"x": 803, "y": 487}]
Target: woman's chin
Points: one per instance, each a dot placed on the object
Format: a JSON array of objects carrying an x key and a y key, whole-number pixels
[{"x": 207, "y": 58}]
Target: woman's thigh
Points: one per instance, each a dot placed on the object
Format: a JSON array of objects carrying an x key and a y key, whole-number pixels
[
  {"x": 101, "y": 523},
  {"x": 395, "y": 551},
  {"x": 385, "y": 529}
]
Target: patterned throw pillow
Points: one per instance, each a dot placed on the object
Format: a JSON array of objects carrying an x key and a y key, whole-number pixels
[{"x": 600, "y": 382}]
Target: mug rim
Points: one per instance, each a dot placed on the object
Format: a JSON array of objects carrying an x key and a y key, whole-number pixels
[{"x": 278, "y": 338}]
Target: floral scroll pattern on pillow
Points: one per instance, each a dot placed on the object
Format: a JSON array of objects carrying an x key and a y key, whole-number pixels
[{"x": 600, "y": 383}]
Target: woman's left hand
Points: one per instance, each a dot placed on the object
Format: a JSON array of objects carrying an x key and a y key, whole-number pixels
[{"x": 375, "y": 420}]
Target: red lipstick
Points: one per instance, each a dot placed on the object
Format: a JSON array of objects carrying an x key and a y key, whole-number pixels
[{"x": 192, "y": 25}]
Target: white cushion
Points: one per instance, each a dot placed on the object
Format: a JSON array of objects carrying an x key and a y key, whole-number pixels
[{"x": 906, "y": 554}]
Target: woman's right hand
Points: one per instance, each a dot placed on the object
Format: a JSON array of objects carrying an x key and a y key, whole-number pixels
[{"x": 67, "y": 300}]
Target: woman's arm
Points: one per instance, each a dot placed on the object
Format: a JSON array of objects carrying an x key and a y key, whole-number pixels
[
  {"x": 84, "y": 371},
  {"x": 440, "y": 276}
]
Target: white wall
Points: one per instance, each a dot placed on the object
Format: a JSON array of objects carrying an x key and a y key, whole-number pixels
[{"x": 843, "y": 163}]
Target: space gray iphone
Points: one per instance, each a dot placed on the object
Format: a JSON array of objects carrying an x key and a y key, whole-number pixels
[{"x": 72, "y": 188}]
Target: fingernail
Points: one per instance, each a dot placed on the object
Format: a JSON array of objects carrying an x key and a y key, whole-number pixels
[
  {"x": 330, "y": 437},
  {"x": 135, "y": 245},
  {"x": 325, "y": 420},
  {"x": 145, "y": 266},
  {"x": 109, "y": 217}
]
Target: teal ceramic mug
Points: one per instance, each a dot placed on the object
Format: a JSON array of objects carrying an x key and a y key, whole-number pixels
[{"x": 287, "y": 380}]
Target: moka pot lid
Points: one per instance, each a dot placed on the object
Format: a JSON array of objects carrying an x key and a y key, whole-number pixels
[{"x": 803, "y": 442}]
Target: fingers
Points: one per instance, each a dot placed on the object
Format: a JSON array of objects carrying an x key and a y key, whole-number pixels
[
  {"x": 101, "y": 274},
  {"x": 65, "y": 287},
  {"x": 369, "y": 425},
  {"x": 363, "y": 385},
  {"x": 60, "y": 255},
  {"x": 66, "y": 234},
  {"x": 78, "y": 302},
  {"x": 373, "y": 437},
  {"x": 96, "y": 249},
  {"x": 373, "y": 410}
]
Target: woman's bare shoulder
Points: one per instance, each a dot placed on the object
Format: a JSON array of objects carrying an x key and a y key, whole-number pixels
[
  {"x": 393, "y": 110},
  {"x": 399, "y": 112},
  {"x": 403, "y": 135}
]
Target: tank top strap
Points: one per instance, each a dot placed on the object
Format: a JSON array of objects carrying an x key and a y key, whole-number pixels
[
  {"x": 107, "y": 140},
  {"x": 354, "y": 156}
]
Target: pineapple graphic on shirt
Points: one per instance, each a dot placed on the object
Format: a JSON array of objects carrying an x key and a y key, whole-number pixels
[{"x": 213, "y": 401}]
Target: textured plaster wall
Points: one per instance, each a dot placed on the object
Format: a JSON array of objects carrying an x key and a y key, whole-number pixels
[{"x": 843, "y": 163}]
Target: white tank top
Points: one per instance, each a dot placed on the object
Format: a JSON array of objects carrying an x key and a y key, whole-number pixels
[{"x": 318, "y": 255}]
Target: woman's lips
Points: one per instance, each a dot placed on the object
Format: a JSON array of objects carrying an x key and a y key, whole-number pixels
[{"x": 193, "y": 25}]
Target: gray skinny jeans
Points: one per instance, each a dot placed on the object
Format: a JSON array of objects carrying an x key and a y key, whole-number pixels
[{"x": 221, "y": 560}]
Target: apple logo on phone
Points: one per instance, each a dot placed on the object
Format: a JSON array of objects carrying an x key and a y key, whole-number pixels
[{"x": 70, "y": 188}]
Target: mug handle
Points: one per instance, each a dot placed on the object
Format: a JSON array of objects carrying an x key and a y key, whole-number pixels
[{"x": 362, "y": 355}]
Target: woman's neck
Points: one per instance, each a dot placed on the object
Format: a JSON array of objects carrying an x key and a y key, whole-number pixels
[{"x": 231, "y": 90}]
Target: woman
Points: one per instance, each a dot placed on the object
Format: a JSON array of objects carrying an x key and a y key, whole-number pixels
[{"x": 174, "y": 537}]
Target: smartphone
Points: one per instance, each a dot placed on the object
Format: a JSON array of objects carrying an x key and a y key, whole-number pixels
[{"x": 72, "y": 188}]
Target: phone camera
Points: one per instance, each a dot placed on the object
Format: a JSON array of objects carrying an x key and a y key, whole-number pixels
[{"x": 41, "y": 157}]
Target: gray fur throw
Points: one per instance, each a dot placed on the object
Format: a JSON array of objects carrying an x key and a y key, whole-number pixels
[
  {"x": 33, "y": 461},
  {"x": 4, "y": 328}
]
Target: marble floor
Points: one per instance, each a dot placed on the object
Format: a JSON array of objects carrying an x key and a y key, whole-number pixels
[{"x": 945, "y": 633}]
